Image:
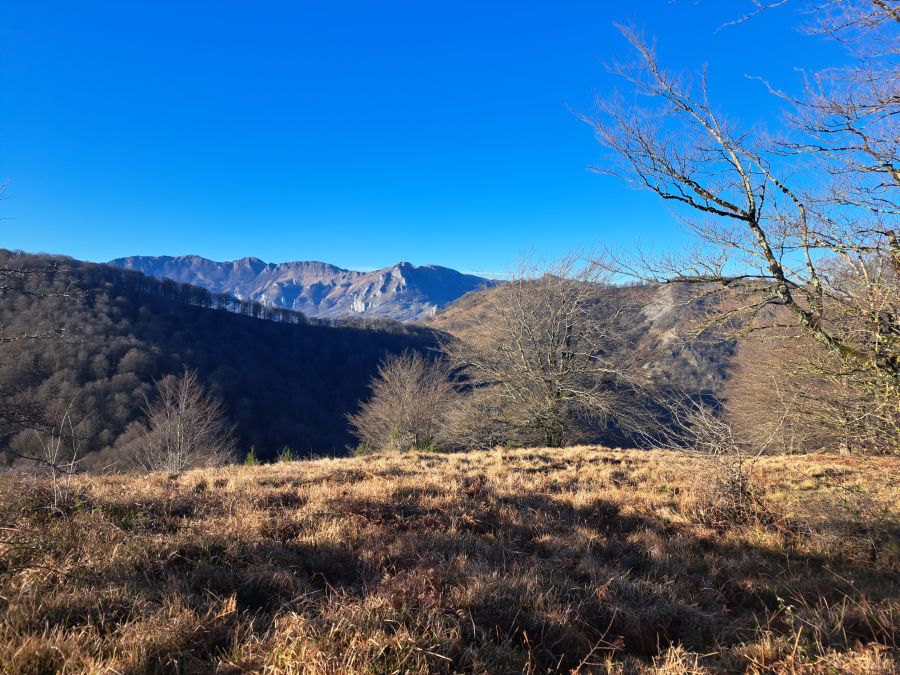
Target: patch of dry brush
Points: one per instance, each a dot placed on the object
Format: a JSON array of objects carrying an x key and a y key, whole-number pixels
[{"x": 501, "y": 561}]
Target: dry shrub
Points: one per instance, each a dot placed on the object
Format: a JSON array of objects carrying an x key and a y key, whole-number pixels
[
  {"x": 723, "y": 492},
  {"x": 677, "y": 660}
]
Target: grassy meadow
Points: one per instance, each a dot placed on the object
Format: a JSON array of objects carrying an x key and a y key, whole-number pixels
[{"x": 576, "y": 560}]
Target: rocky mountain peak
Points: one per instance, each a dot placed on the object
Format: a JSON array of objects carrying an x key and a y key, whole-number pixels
[{"x": 403, "y": 291}]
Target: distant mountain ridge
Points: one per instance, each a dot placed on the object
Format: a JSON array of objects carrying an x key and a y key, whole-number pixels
[{"x": 404, "y": 292}]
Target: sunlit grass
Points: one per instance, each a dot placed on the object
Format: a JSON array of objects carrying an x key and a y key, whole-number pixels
[{"x": 498, "y": 561}]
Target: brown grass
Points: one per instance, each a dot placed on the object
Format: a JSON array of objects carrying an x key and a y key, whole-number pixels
[{"x": 580, "y": 559}]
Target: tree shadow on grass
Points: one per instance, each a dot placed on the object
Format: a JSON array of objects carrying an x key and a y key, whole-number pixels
[
  {"x": 530, "y": 575},
  {"x": 624, "y": 590}
]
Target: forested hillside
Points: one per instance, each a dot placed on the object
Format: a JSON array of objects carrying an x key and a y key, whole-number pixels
[
  {"x": 659, "y": 321},
  {"x": 99, "y": 337}
]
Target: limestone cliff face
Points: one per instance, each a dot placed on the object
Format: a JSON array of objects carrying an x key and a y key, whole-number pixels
[{"x": 404, "y": 292}]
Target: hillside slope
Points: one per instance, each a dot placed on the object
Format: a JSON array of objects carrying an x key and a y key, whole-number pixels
[
  {"x": 659, "y": 319},
  {"x": 403, "y": 292},
  {"x": 578, "y": 559},
  {"x": 282, "y": 383}
]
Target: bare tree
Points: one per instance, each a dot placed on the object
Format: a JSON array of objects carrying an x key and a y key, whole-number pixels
[
  {"x": 185, "y": 427},
  {"x": 51, "y": 445},
  {"x": 801, "y": 231},
  {"x": 546, "y": 357},
  {"x": 797, "y": 397},
  {"x": 59, "y": 447},
  {"x": 411, "y": 396},
  {"x": 480, "y": 420}
]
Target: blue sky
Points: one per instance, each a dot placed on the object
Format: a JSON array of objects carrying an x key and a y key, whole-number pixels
[{"x": 360, "y": 133}]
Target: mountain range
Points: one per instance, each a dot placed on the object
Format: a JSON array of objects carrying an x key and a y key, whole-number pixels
[{"x": 404, "y": 292}]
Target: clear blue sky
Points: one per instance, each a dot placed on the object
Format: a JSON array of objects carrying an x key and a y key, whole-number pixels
[{"x": 360, "y": 133}]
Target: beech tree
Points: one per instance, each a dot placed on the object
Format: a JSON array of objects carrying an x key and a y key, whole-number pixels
[
  {"x": 410, "y": 398},
  {"x": 793, "y": 397},
  {"x": 547, "y": 358},
  {"x": 185, "y": 427},
  {"x": 800, "y": 229}
]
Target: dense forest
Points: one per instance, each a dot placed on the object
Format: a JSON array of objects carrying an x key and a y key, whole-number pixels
[{"x": 98, "y": 338}]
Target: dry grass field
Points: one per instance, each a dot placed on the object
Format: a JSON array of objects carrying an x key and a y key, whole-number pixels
[{"x": 583, "y": 559}]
